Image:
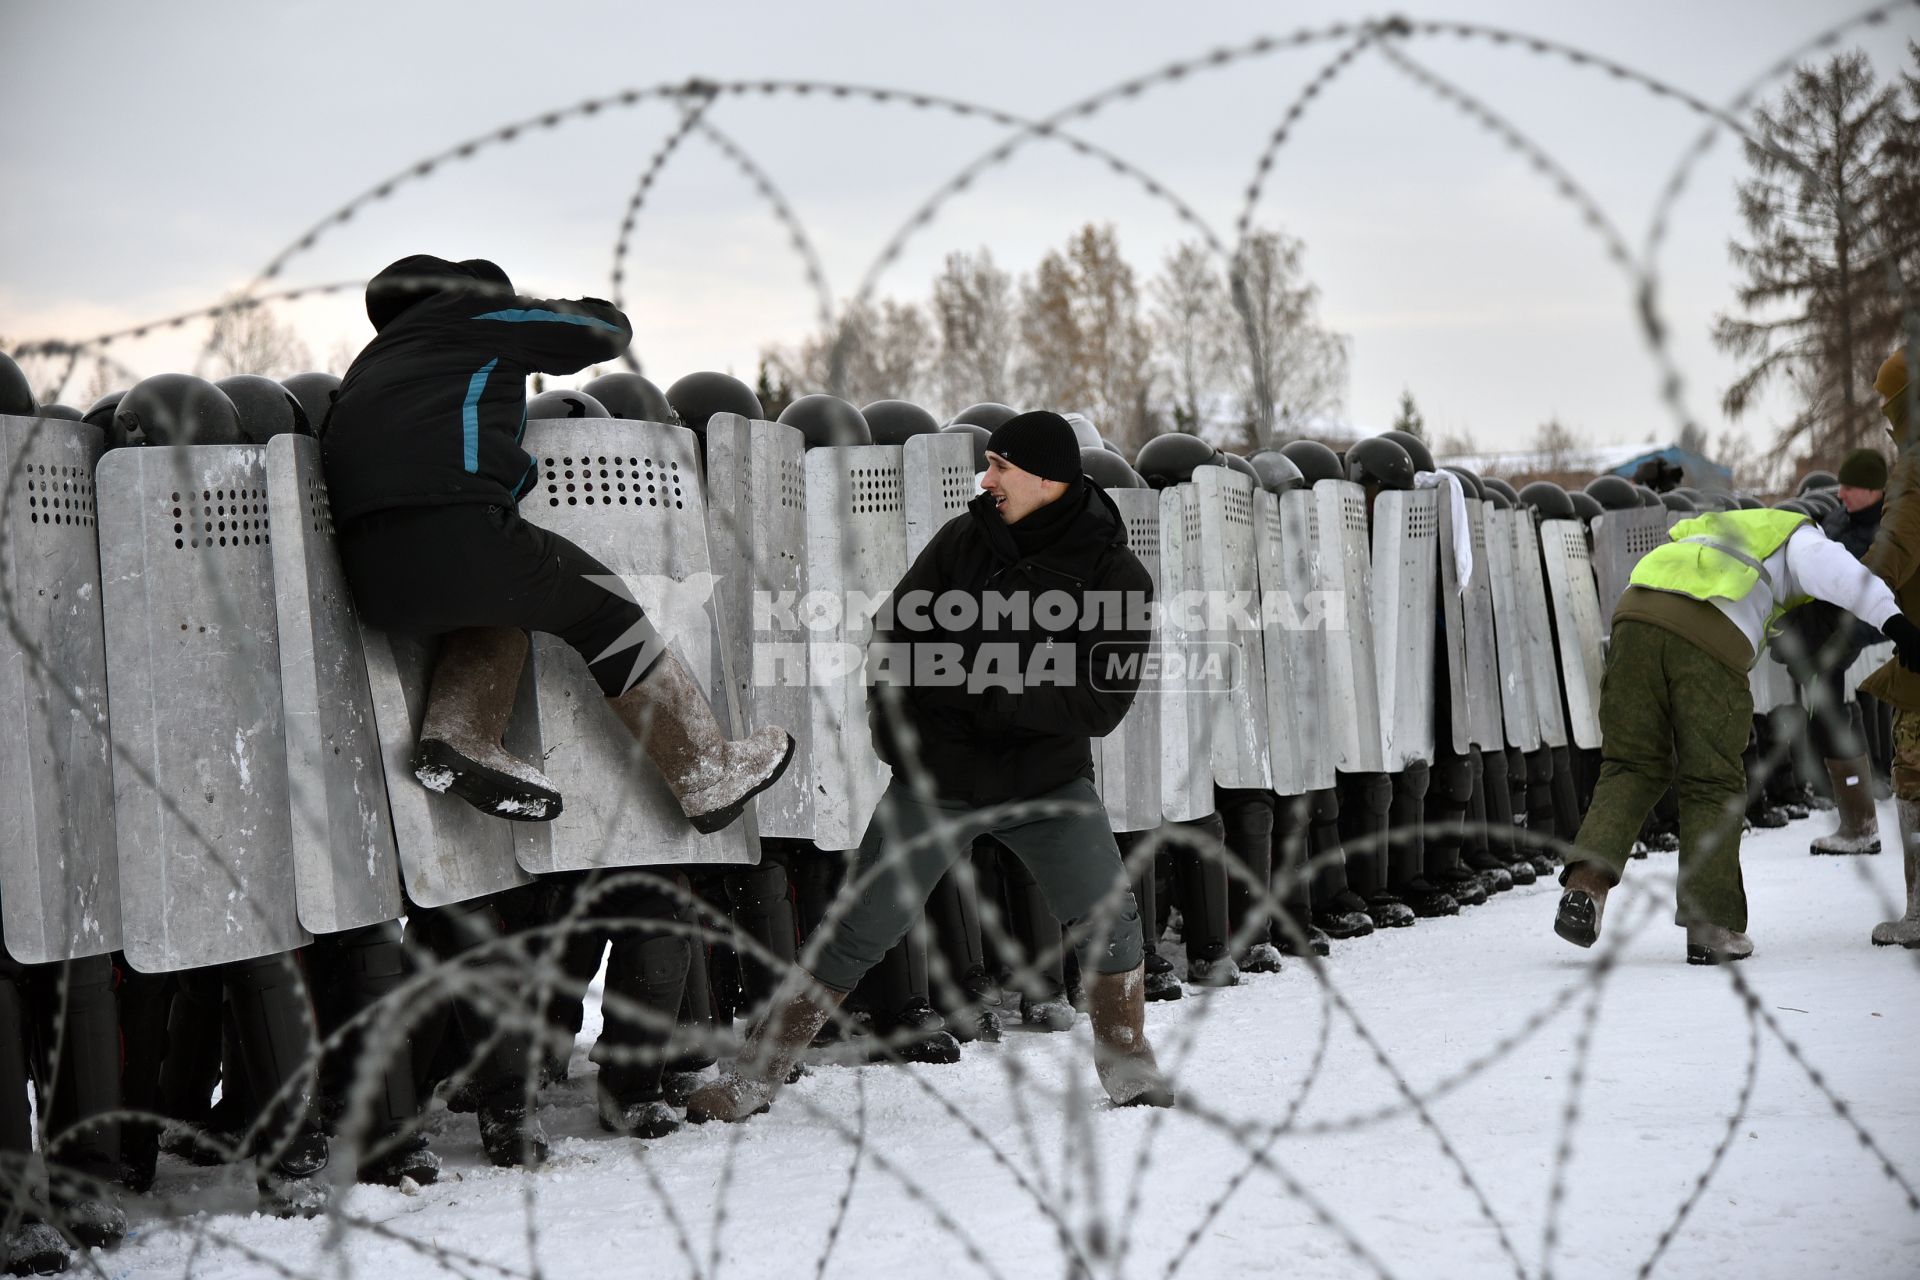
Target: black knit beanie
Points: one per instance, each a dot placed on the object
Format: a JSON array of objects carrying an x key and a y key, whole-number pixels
[
  {"x": 1864, "y": 469},
  {"x": 1040, "y": 443}
]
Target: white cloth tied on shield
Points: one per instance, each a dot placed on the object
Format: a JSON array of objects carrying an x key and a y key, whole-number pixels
[{"x": 1454, "y": 494}]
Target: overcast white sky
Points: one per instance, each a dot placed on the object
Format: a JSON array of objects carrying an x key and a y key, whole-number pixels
[{"x": 158, "y": 156}]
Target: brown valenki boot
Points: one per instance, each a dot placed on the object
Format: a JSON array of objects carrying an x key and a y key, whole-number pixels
[
  {"x": 1905, "y": 932},
  {"x": 1117, "y": 1004},
  {"x": 475, "y": 680},
  {"x": 712, "y": 778},
  {"x": 1859, "y": 829},
  {"x": 767, "y": 1058}
]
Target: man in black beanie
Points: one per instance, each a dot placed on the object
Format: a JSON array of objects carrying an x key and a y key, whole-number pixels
[{"x": 1014, "y": 638}]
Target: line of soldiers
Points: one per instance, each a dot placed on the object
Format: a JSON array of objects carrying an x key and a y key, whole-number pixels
[{"x": 694, "y": 950}]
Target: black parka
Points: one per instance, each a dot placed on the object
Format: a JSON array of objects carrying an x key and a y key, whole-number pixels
[
  {"x": 995, "y": 745},
  {"x": 433, "y": 409}
]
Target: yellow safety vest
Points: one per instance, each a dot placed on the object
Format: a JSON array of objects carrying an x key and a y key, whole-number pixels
[{"x": 1720, "y": 555}]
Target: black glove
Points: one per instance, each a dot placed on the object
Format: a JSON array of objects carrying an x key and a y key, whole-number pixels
[{"x": 1906, "y": 640}]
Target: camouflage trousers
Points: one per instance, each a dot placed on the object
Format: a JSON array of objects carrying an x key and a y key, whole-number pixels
[{"x": 1906, "y": 754}]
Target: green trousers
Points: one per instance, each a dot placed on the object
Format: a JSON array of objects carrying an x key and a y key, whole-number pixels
[{"x": 1670, "y": 714}]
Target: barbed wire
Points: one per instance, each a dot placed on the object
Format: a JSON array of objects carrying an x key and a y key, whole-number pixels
[{"x": 503, "y": 991}]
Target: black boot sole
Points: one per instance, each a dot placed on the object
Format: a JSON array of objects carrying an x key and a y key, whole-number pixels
[
  {"x": 493, "y": 793},
  {"x": 720, "y": 819},
  {"x": 1701, "y": 955},
  {"x": 1577, "y": 920}
]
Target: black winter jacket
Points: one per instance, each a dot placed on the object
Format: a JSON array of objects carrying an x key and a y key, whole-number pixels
[
  {"x": 994, "y": 745},
  {"x": 432, "y": 411}
]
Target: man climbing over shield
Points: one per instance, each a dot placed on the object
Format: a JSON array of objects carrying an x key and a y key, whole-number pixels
[
  {"x": 424, "y": 470},
  {"x": 1033, "y": 582},
  {"x": 1675, "y": 694}
]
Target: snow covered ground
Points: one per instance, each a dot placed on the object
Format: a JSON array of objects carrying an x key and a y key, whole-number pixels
[{"x": 1009, "y": 1165}]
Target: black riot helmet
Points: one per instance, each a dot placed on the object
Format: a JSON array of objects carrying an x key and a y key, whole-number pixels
[
  {"x": 1747, "y": 502},
  {"x": 1469, "y": 480},
  {"x": 316, "y": 393},
  {"x": 1416, "y": 448},
  {"x": 1499, "y": 500},
  {"x": 266, "y": 408},
  {"x": 1234, "y": 462},
  {"x": 1614, "y": 493},
  {"x": 1822, "y": 502},
  {"x": 1678, "y": 502},
  {"x": 562, "y": 403},
  {"x": 827, "y": 420},
  {"x": 631, "y": 398},
  {"x": 1648, "y": 498},
  {"x": 1585, "y": 505},
  {"x": 1315, "y": 461},
  {"x": 1507, "y": 491},
  {"x": 1549, "y": 499},
  {"x": 175, "y": 409},
  {"x": 898, "y": 421},
  {"x": 100, "y": 412},
  {"x": 1109, "y": 470},
  {"x": 1796, "y": 504},
  {"x": 1378, "y": 462},
  {"x": 1276, "y": 470},
  {"x": 989, "y": 414},
  {"x": 1816, "y": 480},
  {"x": 698, "y": 396},
  {"x": 58, "y": 412},
  {"x": 979, "y": 435},
  {"x": 16, "y": 393},
  {"x": 1171, "y": 458}
]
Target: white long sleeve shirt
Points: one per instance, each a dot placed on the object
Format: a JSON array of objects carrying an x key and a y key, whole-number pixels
[{"x": 1810, "y": 564}]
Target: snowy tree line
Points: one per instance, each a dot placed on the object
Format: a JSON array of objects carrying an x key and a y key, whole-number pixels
[{"x": 1083, "y": 332}]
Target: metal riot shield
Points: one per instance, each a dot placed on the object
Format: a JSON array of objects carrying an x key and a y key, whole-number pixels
[
  {"x": 1576, "y": 614},
  {"x": 1341, "y": 539},
  {"x": 628, "y": 494},
  {"x": 1763, "y": 686},
  {"x": 1126, "y": 763},
  {"x": 1405, "y": 544},
  {"x": 938, "y": 473},
  {"x": 1230, "y": 576},
  {"x": 1620, "y": 538},
  {"x": 59, "y": 875},
  {"x": 757, "y": 536},
  {"x": 1543, "y": 666},
  {"x": 1186, "y": 717},
  {"x": 449, "y": 850},
  {"x": 1456, "y": 611},
  {"x": 1310, "y": 614},
  {"x": 1520, "y": 720},
  {"x": 1869, "y": 660},
  {"x": 1487, "y": 730},
  {"x": 346, "y": 869},
  {"x": 193, "y": 690},
  {"x": 856, "y": 554}
]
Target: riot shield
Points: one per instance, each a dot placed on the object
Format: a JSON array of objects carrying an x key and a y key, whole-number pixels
[
  {"x": 449, "y": 851},
  {"x": 1456, "y": 613},
  {"x": 856, "y": 554},
  {"x": 1186, "y": 714},
  {"x": 1620, "y": 538},
  {"x": 201, "y": 805},
  {"x": 1576, "y": 613},
  {"x": 1404, "y": 576},
  {"x": 629, "y": 494},
  {"x": 59, "y": 873},
  {"x": 1519, "y": 719},
  {"x": 1230, "y": 576},
  {"x": 345, "y": 865},
  {"x": 1316, "y": 618},
  {"x": 1126, "y": 762},
  {"x": 937, "y": 469},
  {"x": 1483, "y": 658},
  {"x": 757, "y": 537},
  {"x": 1280, "y": 603},
  {"x": 1543, "y": 666},
  {"x": 1342, "y": 542}
]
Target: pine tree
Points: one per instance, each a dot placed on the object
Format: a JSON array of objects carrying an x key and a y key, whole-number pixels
[
  {"x": 1409, "y": 419},
  {"x": 1815, "y": 310}
]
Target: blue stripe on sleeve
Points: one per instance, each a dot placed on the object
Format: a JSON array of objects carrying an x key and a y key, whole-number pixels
[
  {"x": 520, "y": 315},
  {"x": 470, "y": 415}
]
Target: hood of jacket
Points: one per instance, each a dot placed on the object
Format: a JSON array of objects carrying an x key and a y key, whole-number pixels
[{"x": 412, "y": 280}]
